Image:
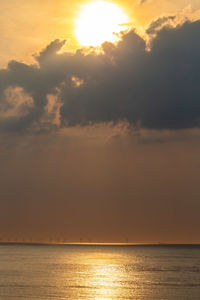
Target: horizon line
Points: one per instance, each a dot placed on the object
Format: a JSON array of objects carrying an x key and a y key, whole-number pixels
[{"x": 96, "y": 244}]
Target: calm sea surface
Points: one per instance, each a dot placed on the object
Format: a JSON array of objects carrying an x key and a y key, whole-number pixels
[{"x": 94, "y": 272}]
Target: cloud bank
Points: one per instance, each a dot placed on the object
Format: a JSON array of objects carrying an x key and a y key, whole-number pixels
[
  {"x": 89, "y": 179},
  {"x": 158, "y": 89}
]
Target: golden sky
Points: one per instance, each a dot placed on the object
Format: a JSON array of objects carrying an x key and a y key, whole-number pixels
[
  {"x": 106, "y": 145},
  {"x": 28, "y": 26}
]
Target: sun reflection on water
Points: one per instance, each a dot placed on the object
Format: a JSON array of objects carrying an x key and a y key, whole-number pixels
[
  {"x": 99, "y": 273},
  {"x": 104, "y": 275}
]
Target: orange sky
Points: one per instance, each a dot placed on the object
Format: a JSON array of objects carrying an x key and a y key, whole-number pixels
[
  {"x": 101, "y": 189},
  {"x": 28, "y": 26},
  {"x": 101, "y": 148}
]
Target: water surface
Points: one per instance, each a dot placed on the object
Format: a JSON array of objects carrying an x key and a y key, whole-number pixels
[{"x": 99, "y": 272}]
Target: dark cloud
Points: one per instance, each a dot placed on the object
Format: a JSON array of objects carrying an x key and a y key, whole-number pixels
[
  {"x": 142, "y": 1},
  {"x": 97, "y": 178},
  {"x": 159, "y": 23},
  {"x": 154, "y": 89}
]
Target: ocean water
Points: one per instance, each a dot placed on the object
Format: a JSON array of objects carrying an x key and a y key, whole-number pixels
[{"x": 99, "y": 272}]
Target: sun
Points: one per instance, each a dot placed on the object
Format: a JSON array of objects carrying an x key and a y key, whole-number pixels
[{"x": 98, "y": 22}]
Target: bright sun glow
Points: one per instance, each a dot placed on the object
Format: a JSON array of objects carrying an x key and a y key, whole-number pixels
[{"x": 98, "y": 22}]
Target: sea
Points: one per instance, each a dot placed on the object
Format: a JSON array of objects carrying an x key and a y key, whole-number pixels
[{"x": 99, "y": 272}]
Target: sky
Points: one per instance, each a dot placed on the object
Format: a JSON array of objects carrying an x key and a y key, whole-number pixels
[{"x": 100, "y": 146}]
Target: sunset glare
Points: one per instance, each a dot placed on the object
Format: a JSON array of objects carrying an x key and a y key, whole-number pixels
[
  {"x": 98, "y": 22},
  {"x": 100, "y": 149}
]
